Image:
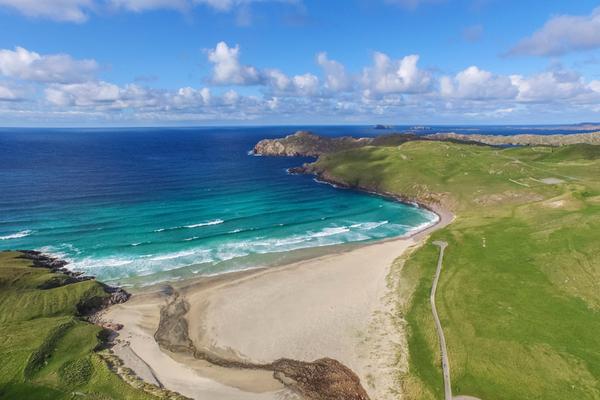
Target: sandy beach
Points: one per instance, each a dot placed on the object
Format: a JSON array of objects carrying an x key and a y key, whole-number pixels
[{"x": 336, "y": 306}]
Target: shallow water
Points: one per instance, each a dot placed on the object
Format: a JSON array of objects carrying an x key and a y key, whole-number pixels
[{"x": 166, "y": 203}]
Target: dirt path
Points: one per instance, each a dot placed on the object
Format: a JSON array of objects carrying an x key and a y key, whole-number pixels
[{"x": 438, "y": 324}]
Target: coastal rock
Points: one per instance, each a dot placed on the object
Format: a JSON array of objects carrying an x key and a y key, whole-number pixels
[
  {"x": 116, "y": 295},
  {"x": 307, "y": 144},
  {"x": 323, "y": 379}
]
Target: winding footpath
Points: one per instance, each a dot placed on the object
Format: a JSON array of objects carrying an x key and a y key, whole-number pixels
[{"x": 438, "y": 324}]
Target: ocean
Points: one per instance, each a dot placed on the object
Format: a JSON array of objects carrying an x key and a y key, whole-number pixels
[
  {"x": 140, "y": 205},
  {"x": 143, "y": 205}
]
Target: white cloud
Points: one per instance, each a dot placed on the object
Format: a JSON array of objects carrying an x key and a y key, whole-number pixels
[
  {"x": 336, "y": 78},
  {"x": 83, "y": 94},
  {"x": 227, "y": 69},
  {"x": 54, "y": 87},
  {"x": 476, "y": 84},
  {"x": 562, "y": 34},
  {"x": 8, "y": 94},
  {"x": 306, "y": 85},
  {"x": 189, "y": 96},
  {"x": 80, "y": 10},
  {"x": 554, "y": 86},
  {"x": 107, "y": 97},
  {"x": 59, "y": 10},
  {"x": 277, "y": 80},
  {"x": 401, "y": 76},
  {"x": 29, "y": 65}
]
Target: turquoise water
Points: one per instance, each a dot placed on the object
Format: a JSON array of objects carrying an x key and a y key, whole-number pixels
[{"x": 169, "y": 203}]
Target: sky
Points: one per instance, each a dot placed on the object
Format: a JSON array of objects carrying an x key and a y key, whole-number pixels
[{"x": 286, "y": 62}]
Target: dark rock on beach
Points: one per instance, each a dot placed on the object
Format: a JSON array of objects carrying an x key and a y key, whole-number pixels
[{"x": 323, "y": 379}]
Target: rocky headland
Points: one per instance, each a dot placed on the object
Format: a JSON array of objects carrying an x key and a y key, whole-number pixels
[
  {"x": 308, "y": 144},
  {"x": 114, "y": 295}
]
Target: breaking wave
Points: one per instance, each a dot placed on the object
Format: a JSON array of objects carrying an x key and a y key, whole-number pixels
[
  {"x": 16, "y": 235},
  {"x": 201, "y": 224}
]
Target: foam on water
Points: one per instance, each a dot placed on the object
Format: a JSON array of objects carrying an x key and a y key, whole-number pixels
[
  {"x": 17, "y": 235},
  {"x": 192, "y": 226},
  {"x": 122, "y": 266}
]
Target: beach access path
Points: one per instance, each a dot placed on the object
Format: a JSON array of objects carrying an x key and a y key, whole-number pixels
[{"x": 438, "y": 325}]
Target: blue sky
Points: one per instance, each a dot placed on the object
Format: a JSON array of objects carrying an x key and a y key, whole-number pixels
[{"x": 194, "y": 62}]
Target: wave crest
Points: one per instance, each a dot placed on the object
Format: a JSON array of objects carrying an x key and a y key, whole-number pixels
[
  {"x": 201, "y": 224},
  {"x": 16, "y": 235}
]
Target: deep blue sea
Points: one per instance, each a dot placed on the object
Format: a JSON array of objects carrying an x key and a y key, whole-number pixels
[{"x": 148, "y": 204}]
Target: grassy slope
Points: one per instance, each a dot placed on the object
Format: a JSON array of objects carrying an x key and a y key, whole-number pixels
[
  {"x": 46, "y": 351},
  {"x": 519, "y": 297}
]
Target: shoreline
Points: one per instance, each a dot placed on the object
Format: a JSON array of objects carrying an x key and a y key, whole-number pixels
[{"x": 141, "y": 318}]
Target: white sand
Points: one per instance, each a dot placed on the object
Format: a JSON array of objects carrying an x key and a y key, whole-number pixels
[
  {"x": 140, "y": 352},
  {"x": 305, "y": 311},
  {"x": 331, "y": 306}
]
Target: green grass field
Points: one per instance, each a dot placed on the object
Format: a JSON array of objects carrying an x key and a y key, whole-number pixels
[
  {"x": 46, "y": 350},
  {"x": 519, "y": 296}
]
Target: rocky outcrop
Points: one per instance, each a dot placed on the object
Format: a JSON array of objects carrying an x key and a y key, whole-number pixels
[
  {"x": 307, "y": 144},
  {"x": 115, "y": 295},
  {"x": 522, "y": 140},
  {"x": 323, "y": 379}
]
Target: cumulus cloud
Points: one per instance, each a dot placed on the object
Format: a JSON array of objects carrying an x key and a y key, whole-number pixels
[
  {"x": 109, "y": 97},
  {"x": 554, "y": 86},
  {"x": 306, "y": 85},
  {"x": 83, "y": 94},
  {"x": 391, "y": 89},
  {"x": 395, "y": 76},
  {"x": 562, "y": 34},
  {"x": 29, "y": 65},
  {"x": 476, "y": 84},
  {"x": 189, "y": 96},
  {"x": 227, "y": 69},
  {"x": 336, "y": 77}
]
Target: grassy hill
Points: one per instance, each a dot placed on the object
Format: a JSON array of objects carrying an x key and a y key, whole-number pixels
[
  {"x": 46, "y": 349},
  {"x": 519, "y": 297}
]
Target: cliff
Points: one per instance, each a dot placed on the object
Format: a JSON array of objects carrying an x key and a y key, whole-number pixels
[{"x": 307, "y": 144}]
